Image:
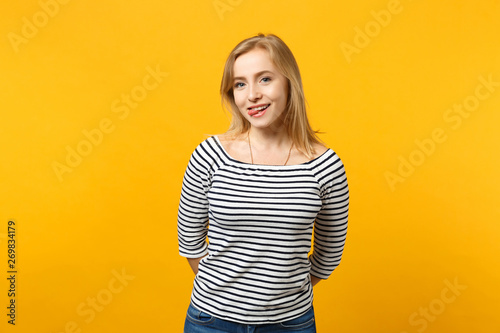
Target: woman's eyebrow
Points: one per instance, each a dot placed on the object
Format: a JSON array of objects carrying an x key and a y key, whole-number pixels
[{"x": 256, "y": 74}]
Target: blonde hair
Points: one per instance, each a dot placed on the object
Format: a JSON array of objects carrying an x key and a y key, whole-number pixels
[{"x": 296, "y": 122}]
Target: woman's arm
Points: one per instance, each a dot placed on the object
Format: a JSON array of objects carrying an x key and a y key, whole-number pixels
[
  {"x": 330, "y": 226},
  {"x": 192, "y": 217},
  {"x": 314, "y": 280},
  {"x": 194, "y": 262}
]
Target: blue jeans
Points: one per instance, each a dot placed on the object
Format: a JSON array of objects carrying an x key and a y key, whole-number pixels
[{"x": 201, "y": 322}]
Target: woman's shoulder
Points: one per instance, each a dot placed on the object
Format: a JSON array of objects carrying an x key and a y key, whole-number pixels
[
  {"x": 319, "y": 149},
  {"x": 327, "y": 166},
  {"x": 208, "y": 148},
  {"x": 233, "y": 145},
  {"x": 207, "y": 154},
  {"x": 325, "y": 156},
  {"x": 220, "y": 146}
]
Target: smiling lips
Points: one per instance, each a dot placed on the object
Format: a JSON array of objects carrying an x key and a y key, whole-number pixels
[{"x": 258, "y": 110}]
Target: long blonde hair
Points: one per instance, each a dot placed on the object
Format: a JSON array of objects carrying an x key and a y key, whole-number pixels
[{"x": 296, "y": 122}]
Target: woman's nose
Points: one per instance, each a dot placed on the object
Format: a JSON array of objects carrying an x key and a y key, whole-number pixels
[{"x": 254, "y": 93}]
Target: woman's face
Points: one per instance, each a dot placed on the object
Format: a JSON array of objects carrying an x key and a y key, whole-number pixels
[{"x": 260, "y": 90}]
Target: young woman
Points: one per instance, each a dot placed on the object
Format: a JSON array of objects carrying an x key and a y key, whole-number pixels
[{"x": 264, "y": 185}]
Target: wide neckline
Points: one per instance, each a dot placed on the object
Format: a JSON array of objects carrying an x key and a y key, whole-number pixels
[{"x": 219, "y": 143}]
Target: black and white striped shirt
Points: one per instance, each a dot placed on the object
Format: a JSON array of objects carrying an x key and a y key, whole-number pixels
[{"x": 261, "y": 225}]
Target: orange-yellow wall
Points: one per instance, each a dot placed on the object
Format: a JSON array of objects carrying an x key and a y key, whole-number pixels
[{"x": 400, "y": 89}]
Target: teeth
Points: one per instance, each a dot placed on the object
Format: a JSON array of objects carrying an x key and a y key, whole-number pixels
[{"x": 260, "y": 108}]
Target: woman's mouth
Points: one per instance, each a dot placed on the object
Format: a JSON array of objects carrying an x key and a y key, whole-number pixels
[{"x": 258, "y": 111}]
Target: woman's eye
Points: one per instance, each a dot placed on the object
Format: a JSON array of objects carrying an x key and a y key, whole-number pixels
[
  {"x": 239, "y": 84},
  {"x": 266, "y": 79}
]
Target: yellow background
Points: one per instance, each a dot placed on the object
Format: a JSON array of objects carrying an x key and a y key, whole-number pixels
[{"x": 116, "y": 210}]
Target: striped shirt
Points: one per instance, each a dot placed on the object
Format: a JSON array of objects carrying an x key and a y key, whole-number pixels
[{"x": 261, "y": 226}]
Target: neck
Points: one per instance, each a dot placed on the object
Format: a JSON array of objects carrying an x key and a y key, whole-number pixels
[
  {"x": 270, "y": 147},
  {"x": 267, "y": 138}
]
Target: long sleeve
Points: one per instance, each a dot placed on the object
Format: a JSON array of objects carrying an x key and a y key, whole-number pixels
[
  {"x": 330, "y": 227},
  {"x": 192, "y": 218}
]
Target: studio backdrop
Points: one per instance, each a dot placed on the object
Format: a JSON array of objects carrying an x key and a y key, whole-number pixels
[{"x": 102, "y": 103}]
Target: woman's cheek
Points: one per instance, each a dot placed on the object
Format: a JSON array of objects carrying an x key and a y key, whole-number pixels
[{"x": 239, "y": 100}]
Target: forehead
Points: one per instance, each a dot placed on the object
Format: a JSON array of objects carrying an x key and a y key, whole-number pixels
[{"x": 254, "y": 61}]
